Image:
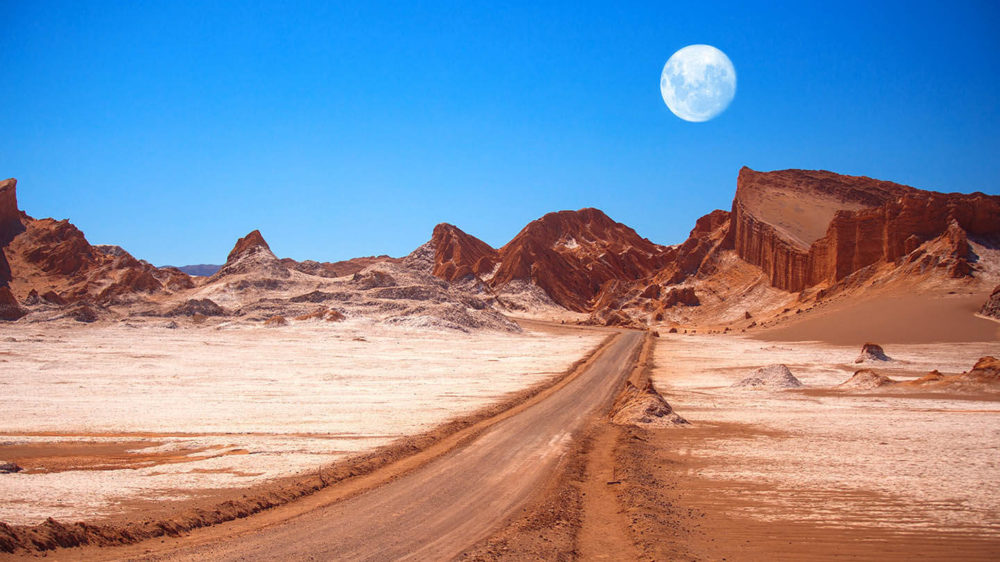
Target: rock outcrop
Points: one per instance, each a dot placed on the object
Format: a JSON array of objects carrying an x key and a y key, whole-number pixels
[
  {"x": 458, "y": 255},
  {"x": 54, "y": 258},
  {"x": 806, "y": 228},
  {"x": 872, "y": 352},
  {"x": 572, "y": 255},
  {"x": 9, "y": 307},
  {"x": 643, "y": 407},
  {"x": 252, "y": 256},
  {"x": 866, "y": 379},
  {"x": 771, "y": 377},
  {"x": 5, "y": 274},
  {"x": 337, "y": 268},
  {"x": 10, "y": 216},
  {"x": 991, "y": 307},
  {"x": 986, "y": 370}
]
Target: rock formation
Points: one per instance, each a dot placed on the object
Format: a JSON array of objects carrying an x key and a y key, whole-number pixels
[
  {"x": 205, "y": 307},
  {"x": 866, "y": 379},
  {"x": 986, "y": 370},
  {"x": 252, "y": 256},
  {"x": 643, "y": 407},
  {"x": 806, "y": 228},
  {"x": 458, "y": 255},
  {"x": 9, "y": 307},
  {"x": 872, "y": 352},
  {"x": 334, "y": 269},
  {"x": 991, "y": 307},
  {"x": 10, "y": 216},
  {"x": 54, "y": 257},
  {"x": 573, "y": 256},
  {"x": 770, "y": 377}
]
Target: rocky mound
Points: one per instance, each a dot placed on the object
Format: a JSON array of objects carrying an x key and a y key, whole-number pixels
[
  {"x": 334, "y": 269},
  {"x": 205, "y": 307},
  {"x": 771, "y": 377},
  {"x": 991, "y": 307},
  {"x": 251, "y": 256},
  {"x": 866, "y": 379},
  {"x": 986, "y": 370},
  {"x": 872, "y": 352},
  {"x": 643, "y": 407}
]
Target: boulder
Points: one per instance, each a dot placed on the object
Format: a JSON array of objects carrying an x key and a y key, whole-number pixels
[{"x": 872, "y": 352}]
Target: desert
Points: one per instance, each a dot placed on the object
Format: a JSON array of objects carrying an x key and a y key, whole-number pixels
[
  {"x": 267, "y": 398},
  {"x": 386, "y": 281}
]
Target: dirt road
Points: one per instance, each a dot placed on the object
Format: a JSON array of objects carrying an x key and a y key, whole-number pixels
[{"x": 450, "y": 503}]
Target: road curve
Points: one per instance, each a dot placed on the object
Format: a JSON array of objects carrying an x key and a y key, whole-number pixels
[{"x": 452, "y": 502}]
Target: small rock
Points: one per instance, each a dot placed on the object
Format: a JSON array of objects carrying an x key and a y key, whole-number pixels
[{"x": 9, "y": 467}]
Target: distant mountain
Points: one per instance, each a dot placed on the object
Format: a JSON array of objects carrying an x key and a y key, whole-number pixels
[
  {"x": 793, "y": 240},
  {"x": 201, "y": 270}
]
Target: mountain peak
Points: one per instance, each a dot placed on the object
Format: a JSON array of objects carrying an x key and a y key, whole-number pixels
[{"x": 247, "y": 244}]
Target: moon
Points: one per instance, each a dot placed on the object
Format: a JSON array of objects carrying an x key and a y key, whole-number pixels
[{"x": 698, "y": 83}]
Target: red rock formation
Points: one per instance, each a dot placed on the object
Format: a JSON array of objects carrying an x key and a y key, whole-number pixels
[
  {"x": 684, "y": 295},
  {"x": 46, "y": 256},
  {"x": 991, "y": 307},
  {"x": 805, "y": 228},
  {"x": 9, "y": 307},
  {"x": 251, "y": 255},
  {"x": 246, "y": 244},
  {"x": 337, "y": 268},
  {"x": 10, "y": 216},
  {"x": 708, "y": 236},
  {"x": 458, "y": 255},
  {"x": 571, "y": 255},
  {"x": 5, "y": 273}
]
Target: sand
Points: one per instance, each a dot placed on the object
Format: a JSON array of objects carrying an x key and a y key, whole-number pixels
[
  {"x": 921, "y": 462},
  {"x": 106, "y": 416},
  {"x": 893, "y": 319}
]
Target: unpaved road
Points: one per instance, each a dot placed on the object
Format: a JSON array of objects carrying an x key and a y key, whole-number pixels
[{"x": 449, "y": 504}]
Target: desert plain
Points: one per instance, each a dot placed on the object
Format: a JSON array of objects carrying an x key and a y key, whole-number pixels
[{"x": 812, "y": 375}]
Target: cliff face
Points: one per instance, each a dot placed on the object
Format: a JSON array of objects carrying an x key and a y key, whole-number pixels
[
  {"x": 10, "y": 216},
  {"x": 805, "y": 228}
]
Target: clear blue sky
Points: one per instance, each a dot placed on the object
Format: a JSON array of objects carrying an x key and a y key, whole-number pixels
[{"x": 339, "y": 129}]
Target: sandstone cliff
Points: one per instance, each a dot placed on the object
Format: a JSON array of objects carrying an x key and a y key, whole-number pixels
[
  {"x": 10, "y": 217},
  {"x": 807, "y": 228}
]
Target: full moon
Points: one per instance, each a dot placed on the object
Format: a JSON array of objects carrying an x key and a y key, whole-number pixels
[{"x": 698, "y": 83}]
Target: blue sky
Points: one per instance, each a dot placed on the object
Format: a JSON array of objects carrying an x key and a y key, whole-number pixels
[{"x": 340, "y": 129}]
